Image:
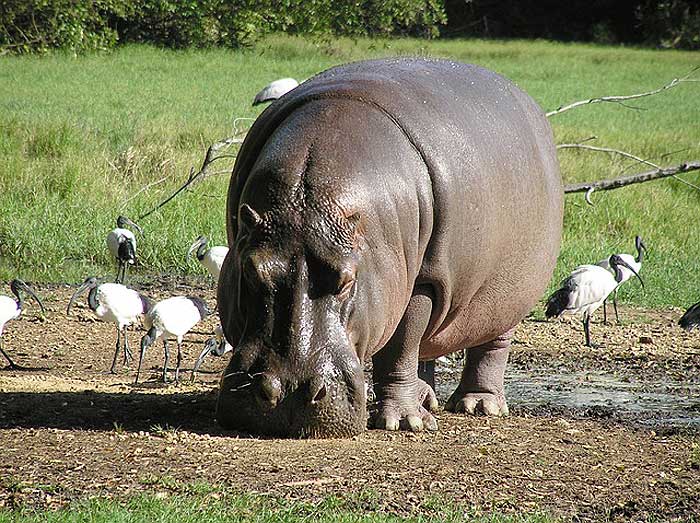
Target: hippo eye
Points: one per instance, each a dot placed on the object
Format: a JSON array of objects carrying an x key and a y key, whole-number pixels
[{"x": 345, "y": 288}]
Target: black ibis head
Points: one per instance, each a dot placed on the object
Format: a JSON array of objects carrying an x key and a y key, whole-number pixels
[
  {"x": 199, "y": 245},
  {"x": 89, "y": 283},
  {"x": 18, "y": 287},
  {"x": 123, "y": 221},
  {"x": 616, "y": 261}
]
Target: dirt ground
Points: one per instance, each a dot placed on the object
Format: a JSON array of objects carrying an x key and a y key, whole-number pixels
[{"x": 70, "y": 430}]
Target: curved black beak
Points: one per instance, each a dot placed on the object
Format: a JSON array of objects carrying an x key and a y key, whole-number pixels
[
  {"x": 620, "y": 261},
  {"x": 202, "y": 240},
  {"x": 26, "y": 288},
  {"x": 127, "y": 221},
  {"x": 209, "y": 347},
  {"x": 83, "y": 286}
]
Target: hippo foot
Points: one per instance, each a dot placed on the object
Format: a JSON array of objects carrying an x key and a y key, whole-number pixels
[
  {"x": 477, "y": 403},
  {"x": 405, "y": 408}
]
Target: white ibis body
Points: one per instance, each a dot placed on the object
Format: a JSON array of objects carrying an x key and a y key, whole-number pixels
[
  {"x": 210, "y": 257},
  {"x": 114, "y": 303},
  {"x": 11, "y": 308},
  {"x": 635, "y": 263},
  {"x": 121, "y": 244},
  {"x": 214, "y": 346},
  {"x": 275, "y": 90},
  {"x": 585, "y": 290},
  {"x": 171, "y": 318},
  {"x": 689, "y": 321}
]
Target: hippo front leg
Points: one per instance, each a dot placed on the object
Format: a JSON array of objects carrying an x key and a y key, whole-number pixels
[
  {"x": 480, "y": 390},
  {"x": 403, "y": 400}
]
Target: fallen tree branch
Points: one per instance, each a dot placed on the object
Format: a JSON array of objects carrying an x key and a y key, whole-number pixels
[
  {"x": 621, "y": 99},
  {"x": 615, "y": 183},
  {"x": 203, "y": 173},
  {"x": 606, "y": 150}
]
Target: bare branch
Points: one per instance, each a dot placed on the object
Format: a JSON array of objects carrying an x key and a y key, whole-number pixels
[
  {"x": 203, "y": 173},
  {"x": 607, "y": 150},
  {"x": 615, "y": 183},
  {"x": 142, "y": 189},
  {"x": 621, "y": 99}
]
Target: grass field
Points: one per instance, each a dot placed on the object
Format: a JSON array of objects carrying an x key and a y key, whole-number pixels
[
  {"x": 79, "y": 137},
  {"x": 196, "y": 508}
]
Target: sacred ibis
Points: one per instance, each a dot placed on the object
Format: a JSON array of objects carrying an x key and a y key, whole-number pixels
[
  {"x": 689, "y": 321},
  {"x": 114, "y": 303},
  {"x": 171, "y": 318},
  {"x": 275, "y": 90},
  {"x": 212, "y": 258},
  {"x": 585, "y": 290},
  {"x": 214, "y": 346},
  {"x": 11, "y": 309},
  {"x": 121, "y": 243},
  {"x": 635, "y": 263}
]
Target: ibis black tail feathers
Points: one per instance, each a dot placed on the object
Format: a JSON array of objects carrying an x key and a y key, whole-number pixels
[
  {"x": 557, "y": 302},
  {"x": 691, "y": 319}
]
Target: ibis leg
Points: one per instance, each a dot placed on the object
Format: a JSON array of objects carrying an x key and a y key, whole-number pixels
[
  {"x": 617, "y": 317},
  {"x": 141, "y": 356},
  {"x": 7, "y": 357},
  {"x": 179, "y": 361},
  {"x": 167, "y": 360},
  {"x": 605, "y": 311},
  {"x": 587, "y": 329},
  {"x": 116, "y": 352},
  {"x": 128, "y": 356}
]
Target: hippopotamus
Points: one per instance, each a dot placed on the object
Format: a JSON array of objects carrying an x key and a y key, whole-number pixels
[{"x": 397, "y": 209}]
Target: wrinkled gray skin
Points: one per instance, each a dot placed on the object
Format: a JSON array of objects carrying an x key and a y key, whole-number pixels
[{"x": 397, "y": 210}]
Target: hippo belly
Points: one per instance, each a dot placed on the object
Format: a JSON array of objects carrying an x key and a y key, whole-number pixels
[{"x": 394, "y": 209}]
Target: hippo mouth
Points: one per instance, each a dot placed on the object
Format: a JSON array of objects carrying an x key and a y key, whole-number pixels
[{"x": 340, "y": 413}]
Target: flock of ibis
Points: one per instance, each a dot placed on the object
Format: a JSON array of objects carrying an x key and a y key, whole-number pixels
[
  {"x": 169, "y": 319},
  {"x": 582, "y": 292}
]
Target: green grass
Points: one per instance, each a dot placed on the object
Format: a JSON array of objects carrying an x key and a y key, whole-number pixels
[
  {"x": 80, "y": 136},
  {"x": 232, "y": 508}
]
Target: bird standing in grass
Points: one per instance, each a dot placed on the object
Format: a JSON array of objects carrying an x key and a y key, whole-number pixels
[
  {"x": 635, "y": 263},
  {"x": 114, "y": 303},
  {"x": 214, "y": 346},
  {"x": 121, "y": 243},
  {"x": 689, "y": 321},
  {"x": 11, "y": 309},
  {"x": 171, "y": 318},
  {"x": 275, "y": 90},
  {"x": 585, "y": 290},
  {"x": 211, "y": 258}
]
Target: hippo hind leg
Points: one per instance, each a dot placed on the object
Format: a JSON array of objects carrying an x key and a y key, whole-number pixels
[
  {"x": 480, "y": 390},
  {"x": 403, "y": 400}
]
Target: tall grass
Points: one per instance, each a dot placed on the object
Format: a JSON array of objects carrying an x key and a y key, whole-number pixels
[{"x": 80, "y": 136}]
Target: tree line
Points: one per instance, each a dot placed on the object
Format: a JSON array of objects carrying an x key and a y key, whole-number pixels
[{"x": 35, "y": 26}]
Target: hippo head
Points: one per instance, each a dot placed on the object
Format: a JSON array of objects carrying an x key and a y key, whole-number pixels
[{"x": 287, "y": 294}]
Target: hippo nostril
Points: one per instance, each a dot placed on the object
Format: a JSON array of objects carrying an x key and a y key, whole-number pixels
[
  {"x": 270, "y": 389},
  {"x": 317, "y": 394}
]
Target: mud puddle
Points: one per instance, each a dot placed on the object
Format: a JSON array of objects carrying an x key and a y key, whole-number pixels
[{"x": 593, "y": 394}]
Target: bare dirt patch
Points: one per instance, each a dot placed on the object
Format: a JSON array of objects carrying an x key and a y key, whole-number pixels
[{"x": 69, "y": 430}]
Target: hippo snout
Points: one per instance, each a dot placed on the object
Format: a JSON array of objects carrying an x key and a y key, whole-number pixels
[{"x": 277, "y": 403}]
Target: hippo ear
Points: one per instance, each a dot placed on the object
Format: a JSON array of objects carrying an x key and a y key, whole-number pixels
[{"x": 249, "y": 217}]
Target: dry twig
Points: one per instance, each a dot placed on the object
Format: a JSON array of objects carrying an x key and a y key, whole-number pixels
[
  {"x": 621, "y": 99},
  {"x": 615, "y": 183}
]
